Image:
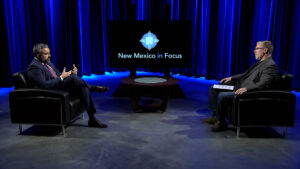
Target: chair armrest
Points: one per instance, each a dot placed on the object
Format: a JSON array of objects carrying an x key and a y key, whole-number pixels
[
  {"x": 39, "y": 106},
  {"x": 39, "y": 92},
  {"x": 264, "y": 107},
  {"x": 274, "y": 94}
]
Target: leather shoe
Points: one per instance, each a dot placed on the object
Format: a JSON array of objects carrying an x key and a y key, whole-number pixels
[
  {"x": 99, "y": 89},
  {"x": 210, "y": 120},
  {"x": 96, "y": 124},
  {"x": 219, "y": 126}
]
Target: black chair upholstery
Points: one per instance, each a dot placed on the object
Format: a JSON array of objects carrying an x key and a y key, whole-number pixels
[
  {"x": 268, "y": 108},
  {"x": 41, "y": 106}
]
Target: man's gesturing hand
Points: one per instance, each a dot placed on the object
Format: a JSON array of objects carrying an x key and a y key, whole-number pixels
[
  {"x": 65, "y": 74},
  {"x": 75, "y": 70}
]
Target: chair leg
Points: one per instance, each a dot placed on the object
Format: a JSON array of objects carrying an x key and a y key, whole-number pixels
[
  {"x": 20, "y": 128},
  {"x": 63, "y": 130},
  {"x": 238, "y": 132},
  {"x": 284, "y": 131}
]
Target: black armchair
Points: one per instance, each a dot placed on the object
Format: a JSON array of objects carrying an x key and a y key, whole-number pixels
[
  {"x": 268, "y": 108},
  {"x": 41, "y": 106}
]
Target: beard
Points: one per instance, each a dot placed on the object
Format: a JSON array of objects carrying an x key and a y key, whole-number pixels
[
  {"x": 259, "y": 57},
  {"x": 45, "y": 60}
]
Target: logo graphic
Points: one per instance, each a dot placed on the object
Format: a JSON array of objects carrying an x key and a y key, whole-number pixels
[{"x": 149, "y": 40}]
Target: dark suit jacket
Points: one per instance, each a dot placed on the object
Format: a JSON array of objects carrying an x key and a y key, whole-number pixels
[
  {"x": 260, "y": 76},
  {"x": 39, "y": 76}
]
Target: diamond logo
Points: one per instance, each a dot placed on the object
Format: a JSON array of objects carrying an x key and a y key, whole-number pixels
[{"x": 149, "y": 40}]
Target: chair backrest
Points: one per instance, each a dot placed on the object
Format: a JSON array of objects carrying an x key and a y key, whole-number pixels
[
  {"x": 20, "y": 80},
  {"x": 284, "y": 81}
]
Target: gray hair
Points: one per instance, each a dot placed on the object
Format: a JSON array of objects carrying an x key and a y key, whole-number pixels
[
  {"x": 38, "y": 47},
  {"x": 267, "y": 44}
]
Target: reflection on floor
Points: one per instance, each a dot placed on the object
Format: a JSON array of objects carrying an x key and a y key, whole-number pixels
[{"x": 175, "y": 139}]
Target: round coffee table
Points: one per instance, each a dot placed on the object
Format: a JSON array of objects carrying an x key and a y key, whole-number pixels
[{"x": 159, "y": 83}]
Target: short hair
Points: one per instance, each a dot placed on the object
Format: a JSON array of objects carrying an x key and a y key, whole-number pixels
[
  {"x": 38, "y": 47},
  {"x": 267, "y": 44}
]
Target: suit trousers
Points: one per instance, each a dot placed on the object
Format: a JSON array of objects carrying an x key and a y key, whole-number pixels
[
  {"x": 78, "y": 87},
  {"x": 219, "y": 102}
]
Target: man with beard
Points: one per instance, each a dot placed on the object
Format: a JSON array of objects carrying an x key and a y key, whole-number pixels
[{"x": 43, "y": 74}]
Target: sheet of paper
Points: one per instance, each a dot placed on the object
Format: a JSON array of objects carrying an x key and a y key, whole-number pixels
[{"x": 225, "y": 87}]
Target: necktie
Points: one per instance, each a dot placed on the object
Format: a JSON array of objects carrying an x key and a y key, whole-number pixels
[{"x": 51, "y": 70}]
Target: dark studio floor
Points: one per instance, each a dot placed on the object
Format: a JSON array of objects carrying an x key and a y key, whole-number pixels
[{"x": 175, "y": 139}]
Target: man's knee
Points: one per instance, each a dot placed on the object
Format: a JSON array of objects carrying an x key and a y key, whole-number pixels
[
  {"x": 74, "y": 82},
  {"x": 225, "y": 96},
  {"x": 77, "y": 80},
  {"x": 212, "y": 90}
]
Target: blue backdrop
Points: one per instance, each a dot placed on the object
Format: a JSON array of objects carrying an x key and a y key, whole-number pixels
[{"x": 225, "y": 32}]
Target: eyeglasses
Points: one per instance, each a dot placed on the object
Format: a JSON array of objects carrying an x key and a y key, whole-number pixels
[{"x": 258, "y": 48}]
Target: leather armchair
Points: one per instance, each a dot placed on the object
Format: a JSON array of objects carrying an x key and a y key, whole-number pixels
[
  {"x": 268, "y": 108},
  {"x": 41, "y": 106}
]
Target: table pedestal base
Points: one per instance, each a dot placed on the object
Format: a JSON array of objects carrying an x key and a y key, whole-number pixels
[
  {"x": 159, "y": 87},
  {"x": 135, "y": 100}
]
